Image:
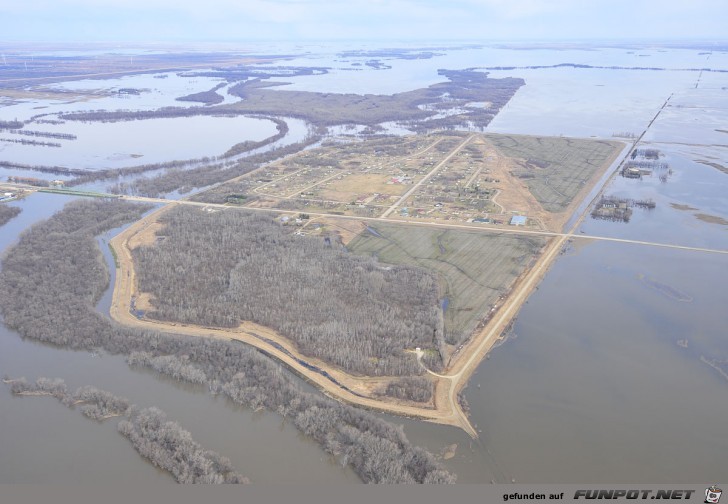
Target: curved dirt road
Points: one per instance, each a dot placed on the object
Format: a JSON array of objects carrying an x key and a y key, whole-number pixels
[{"x": 351, "y": 389}]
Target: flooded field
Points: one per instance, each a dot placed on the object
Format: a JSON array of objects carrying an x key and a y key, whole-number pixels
[
  {"x": 603, "y": 378},
  {"x": 130, "y": 143},
  {"x": 594, "y": 386}
]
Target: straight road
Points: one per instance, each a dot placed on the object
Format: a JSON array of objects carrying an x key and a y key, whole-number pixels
[
  {"x": 445, "y": 225},
  {"x": 424, "y": 179}
]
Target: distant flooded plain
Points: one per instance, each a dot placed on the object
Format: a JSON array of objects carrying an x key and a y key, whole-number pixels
[
  {"x": 601, "y": 378},
  {"x": 130, "y": 143}
]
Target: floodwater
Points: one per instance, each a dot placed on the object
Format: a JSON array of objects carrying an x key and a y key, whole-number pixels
[
  {"x": 601, "y": 379},
  {"x": 131, "y": 143},
  {"x": 45, "y": 442}
]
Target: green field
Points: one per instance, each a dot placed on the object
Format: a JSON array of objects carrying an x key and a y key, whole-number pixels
[
  {"x": 555, "y": 168},
  {"x": 474, "y": 268}
]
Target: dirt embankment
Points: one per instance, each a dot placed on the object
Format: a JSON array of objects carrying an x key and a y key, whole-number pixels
[{"x": 358, "y": 390}]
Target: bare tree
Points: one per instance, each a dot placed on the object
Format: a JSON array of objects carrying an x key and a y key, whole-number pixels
[
  {"x": 168, "y": 446},
  {"x": 219, "y": 269},
  {"x": 52, "y": 278},
  {"x": 7, "y": 213}
]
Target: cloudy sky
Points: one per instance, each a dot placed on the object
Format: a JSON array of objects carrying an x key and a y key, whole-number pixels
[{"x": 420, "y": 20}]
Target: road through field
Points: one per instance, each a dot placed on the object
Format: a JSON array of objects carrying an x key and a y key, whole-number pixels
[
  {"x": 257, "y": 190},
  {"x": 426, "y": 177},
  {"x": 451, "y": 383},
  {"x": 419, "y": 222},
  {"x": 358, "y": 390}
]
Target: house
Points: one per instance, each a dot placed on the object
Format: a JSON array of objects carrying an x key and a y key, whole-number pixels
[
  {"x": 518, "y": 220},
  {"x": 401, "y": 179}
]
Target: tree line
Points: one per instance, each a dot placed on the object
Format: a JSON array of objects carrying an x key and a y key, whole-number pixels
[
  {"x": 53, "y": 277},
  {"x": 95, "y": 403},
  {"x": 45, "y": 134},
  {"x": 137, "y": 115},
  {"x": 186, "y": 180},
  {"x": 23, "y": 141},
  {"x": 170, "y": 447},
  {"x": 151, "y": 187},
  {"x": 11, "y": 124}
]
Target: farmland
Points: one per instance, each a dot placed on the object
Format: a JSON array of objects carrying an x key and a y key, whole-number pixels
[
  {"x": 475, "y": 270},
  {"x": 555, "y": 169}
]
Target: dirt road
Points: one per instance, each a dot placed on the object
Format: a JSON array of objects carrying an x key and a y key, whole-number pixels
[
  {"x": 426, "y": 177},
  {"x": 354, "y": 389}
]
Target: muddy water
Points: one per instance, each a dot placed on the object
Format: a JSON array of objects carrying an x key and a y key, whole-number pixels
[
  {"x": 594, "y": 386},
  {"x": 131, "y": 143},
  {"x": 595, "y": 383},
  {"x": 601, "y": 379},
  {"x": 44, "y": 442}
]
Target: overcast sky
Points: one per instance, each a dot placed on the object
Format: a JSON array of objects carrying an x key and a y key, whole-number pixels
[{"x": 417, "y": 20}]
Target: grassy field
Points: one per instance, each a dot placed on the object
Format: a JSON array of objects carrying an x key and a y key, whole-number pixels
[
  {"x": 474, "y": 269},
  {"x": 374, "y": 182},
  {"x": 555, "y": 168}
]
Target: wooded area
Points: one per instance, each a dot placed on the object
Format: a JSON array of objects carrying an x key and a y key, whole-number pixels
[
  {"x": 222, "y": 268},
  {"x": 52, "y": 279},
  {"x": 209, "y": 97},
  {"x": 168, "y": 446},
  {"x": 326, "y": 109},
  {"x": 164, "y": 443},
  {"x": 7, "y": 212}
]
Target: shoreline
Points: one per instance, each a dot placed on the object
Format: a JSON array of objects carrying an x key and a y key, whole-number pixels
[{"x": 445, "y": 407}]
